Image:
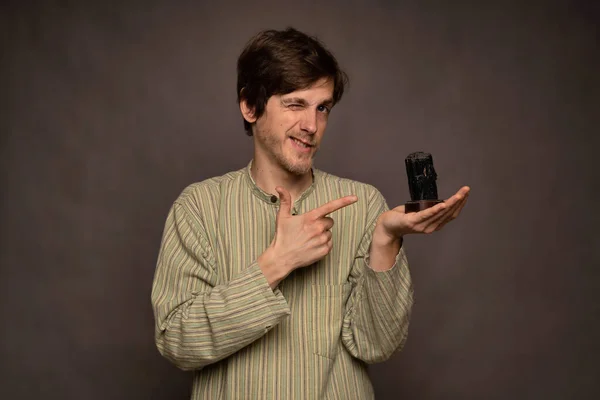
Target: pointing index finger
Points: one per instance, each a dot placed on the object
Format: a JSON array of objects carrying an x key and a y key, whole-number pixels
[{"x": 332, "y": 206}]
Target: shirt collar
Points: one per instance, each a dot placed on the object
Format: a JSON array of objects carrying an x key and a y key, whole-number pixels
[{"x": 269, "y": 197}]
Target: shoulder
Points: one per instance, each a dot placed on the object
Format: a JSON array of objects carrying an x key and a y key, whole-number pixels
[
  {"x": 205, "y": 195},
  {"x": 363, "y": 190}
]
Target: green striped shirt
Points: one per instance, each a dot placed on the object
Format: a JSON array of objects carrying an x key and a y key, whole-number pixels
[{"x": 311, "y": 337}]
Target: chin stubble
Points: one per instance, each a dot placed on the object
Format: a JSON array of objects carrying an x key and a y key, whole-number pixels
[{"x": 271, "y": 144}]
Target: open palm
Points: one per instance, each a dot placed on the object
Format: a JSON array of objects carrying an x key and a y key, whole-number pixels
[{"x": 398, "y": 223}]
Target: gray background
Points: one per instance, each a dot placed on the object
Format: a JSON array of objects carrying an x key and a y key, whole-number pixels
[{"x": 109, "y": 109}]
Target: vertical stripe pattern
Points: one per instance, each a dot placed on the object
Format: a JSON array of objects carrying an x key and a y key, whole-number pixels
[{"x": 311, "y": 337}]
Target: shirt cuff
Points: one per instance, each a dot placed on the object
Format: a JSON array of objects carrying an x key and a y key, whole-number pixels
[
  {"x": 400, "y": 259},
  {"x": 274, "y": 297},
  {"x": 399, "y": 274}
]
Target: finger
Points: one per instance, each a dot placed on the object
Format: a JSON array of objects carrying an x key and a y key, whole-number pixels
[
  {"x": 434, "y": 214},
  {"x": 322, "y": 239},
  {"x": 429, "y": 213},
  {"x": 285, "y": 202},
  {"x": 327, "y": 223},
  {"x": 463, "y": 191},
  {"x": 445, "y": 217},
  {"x": 455, "y": 214},
  {"x": 458, "y": 199},
  {"x": 430, "y": 225},
  {"x": 462, "y": 205},
  {"x": 400, "y": 209},
  {"x": 325, "y": 248},
  {"x": 458, "y": 196},
  {"x": 438, "y": 211},
  {"x": 332, "y": 206}
]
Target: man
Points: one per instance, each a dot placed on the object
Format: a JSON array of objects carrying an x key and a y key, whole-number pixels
[{"x": 280, "y": 281}]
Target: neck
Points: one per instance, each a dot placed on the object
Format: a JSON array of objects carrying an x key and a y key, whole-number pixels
[{"x": 268, "y": 176}]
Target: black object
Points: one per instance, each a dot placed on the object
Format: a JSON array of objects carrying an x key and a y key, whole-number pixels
[{"x": 421, "y": 182}]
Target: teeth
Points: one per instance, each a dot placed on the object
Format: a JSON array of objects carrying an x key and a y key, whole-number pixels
[{"x": 300, "y": 143}]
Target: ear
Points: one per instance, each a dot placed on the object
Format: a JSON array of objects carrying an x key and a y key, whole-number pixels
[{"x": 247, "y": 112}]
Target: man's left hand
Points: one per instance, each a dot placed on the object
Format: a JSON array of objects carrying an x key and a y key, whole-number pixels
[{"x": 396, "y": 223}]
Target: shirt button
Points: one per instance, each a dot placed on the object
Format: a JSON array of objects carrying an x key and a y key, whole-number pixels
[{"x": 273, "y": 199}]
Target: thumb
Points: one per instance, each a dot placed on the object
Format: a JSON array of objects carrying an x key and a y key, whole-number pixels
[{"x": 285, "y": 202}]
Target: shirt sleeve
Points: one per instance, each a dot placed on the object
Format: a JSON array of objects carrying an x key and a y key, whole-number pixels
[
  {"x": 379, "y": 308},
  {"x": 200, "y": 320}
]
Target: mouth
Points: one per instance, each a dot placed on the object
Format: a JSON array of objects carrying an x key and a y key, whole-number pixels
[{"x": 302, "y": 143}]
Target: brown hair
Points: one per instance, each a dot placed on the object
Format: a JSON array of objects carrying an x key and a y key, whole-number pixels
[{"x": 280, "y": 62}]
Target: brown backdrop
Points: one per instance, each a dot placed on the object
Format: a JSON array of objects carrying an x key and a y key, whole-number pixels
[{"x": 108, "y": 109}]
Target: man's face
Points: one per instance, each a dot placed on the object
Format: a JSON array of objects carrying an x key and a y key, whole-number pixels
[{"x": 289, "y": 132}]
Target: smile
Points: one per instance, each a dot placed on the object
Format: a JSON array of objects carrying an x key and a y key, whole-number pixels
[{"x": 301, "y": 143}]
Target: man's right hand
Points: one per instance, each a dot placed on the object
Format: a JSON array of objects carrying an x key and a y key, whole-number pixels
[{"x": 299, "y": 240}]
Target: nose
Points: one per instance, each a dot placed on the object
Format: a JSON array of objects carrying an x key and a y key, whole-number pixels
[{"x": 308, "y": 123}]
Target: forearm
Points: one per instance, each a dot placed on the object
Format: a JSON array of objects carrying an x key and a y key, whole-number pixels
[
  {"x": 383, "y": 249},
  {"x": 274, "y": 268},
  {"x": 377, "y": 324},
  {"x": 215, "y": 324}
]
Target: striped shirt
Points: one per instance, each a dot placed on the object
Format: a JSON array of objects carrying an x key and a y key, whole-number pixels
[{"x": 311, "y": 337}]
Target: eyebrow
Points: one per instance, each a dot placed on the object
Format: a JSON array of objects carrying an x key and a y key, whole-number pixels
[
  {"x": 328, "y": 102},
  {"x": 303, "y": 102},
  {"x": 296, "y": 100}
]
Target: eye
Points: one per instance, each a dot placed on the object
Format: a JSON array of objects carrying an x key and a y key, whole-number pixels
[{"x": 324, "y": 109}]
